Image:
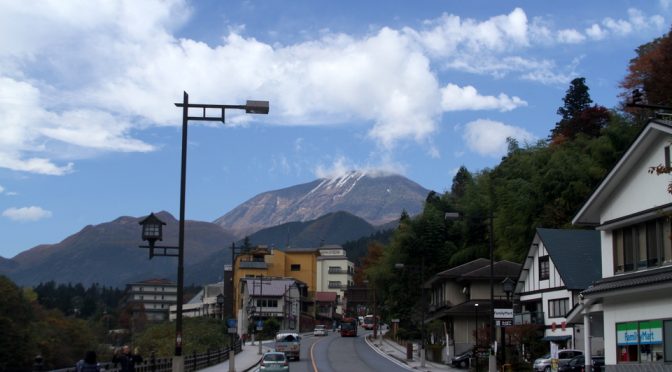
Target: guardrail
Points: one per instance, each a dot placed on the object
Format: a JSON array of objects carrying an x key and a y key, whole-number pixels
[{"x": 193, "y": 362}]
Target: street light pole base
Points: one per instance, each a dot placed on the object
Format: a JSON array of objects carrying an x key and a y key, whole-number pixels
[{"x": 178, "y": 363}]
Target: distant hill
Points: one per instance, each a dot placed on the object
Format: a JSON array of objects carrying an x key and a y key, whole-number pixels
[
  {"x": 333, "y": 228},
  {"x": 326, "y": 211},
  {"x": 378, "y": 199},
  {"x": 108, "y": 254}
]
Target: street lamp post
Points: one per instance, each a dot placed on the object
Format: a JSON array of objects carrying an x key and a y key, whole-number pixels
[
  {"x": 475, "y": 356},
  {"x": 508, "y": 286},
  {"x": 251, "y": 107},
  {"x": 491, "y": 246},
  {"x": 220, "y": 303}
]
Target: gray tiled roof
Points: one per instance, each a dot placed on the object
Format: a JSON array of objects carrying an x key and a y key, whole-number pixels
[
  {"x": 501, "y": 269},
  {"x": 576, "y": 255},
  {"x": 468, "y": 267},
  {"x": 636, "y": 279}
]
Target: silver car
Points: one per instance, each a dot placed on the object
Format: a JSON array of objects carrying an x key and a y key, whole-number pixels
[
  {"x": 320, "y": 330},
  {"x": 543, "y": 364}
]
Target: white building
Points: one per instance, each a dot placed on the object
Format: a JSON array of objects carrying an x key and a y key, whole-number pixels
[
  {"x": 559, "y": 265},
  {"x": 204, "y": 304},
  {"x": 334, "y": 273},
  {"x": 266, "y": 297},
  {"x": 154, "y": 295},
  {"x": 631, "y": 209}
]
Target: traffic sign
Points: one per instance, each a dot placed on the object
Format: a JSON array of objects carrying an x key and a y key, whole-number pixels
[
  {"x": 504, "y": 322},
  {"x": 232, "y": 325}
]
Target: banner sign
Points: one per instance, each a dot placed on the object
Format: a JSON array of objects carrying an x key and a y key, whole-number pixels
[
  {"x": 651, "y": 332},
  {"x": 626, "y": 334},
  {"x": 503, "y": 313}
]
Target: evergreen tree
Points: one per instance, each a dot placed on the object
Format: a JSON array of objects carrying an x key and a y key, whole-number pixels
[{"x": 576, "y": 99}]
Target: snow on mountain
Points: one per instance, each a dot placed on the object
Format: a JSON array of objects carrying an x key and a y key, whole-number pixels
[{"x": 377, "y": 198}]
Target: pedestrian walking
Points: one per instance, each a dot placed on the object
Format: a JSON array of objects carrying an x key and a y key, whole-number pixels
[
  {"x": 89, "y": 363},
  {"x": 124, "y": 359}
]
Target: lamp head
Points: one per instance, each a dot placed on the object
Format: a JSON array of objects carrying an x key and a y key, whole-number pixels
[
  {"x": 257, "y": 107},
  {"x": 152, "y": 229}
]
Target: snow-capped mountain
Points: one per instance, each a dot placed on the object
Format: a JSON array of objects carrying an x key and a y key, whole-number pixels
[{"x": 378, "y": 199}]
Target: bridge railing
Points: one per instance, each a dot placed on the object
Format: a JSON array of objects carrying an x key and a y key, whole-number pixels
[{"x": 193, "y": 362}]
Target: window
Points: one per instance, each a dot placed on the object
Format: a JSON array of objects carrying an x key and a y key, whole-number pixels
[
  {"x": 642, "y": 245},
  {"x": 544, "y": 268},
  {"x": 334, "y": 284},
  {"x": 641, "y": 341},
  {"x": 558, "y": 308},
  {"x": 296, "y": 267},
  {"x": 267, "y": 303}
]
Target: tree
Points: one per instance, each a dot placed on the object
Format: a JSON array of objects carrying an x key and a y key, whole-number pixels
[
  {"x": 17, "y": 346},
  {"x": 576, "y": 99},
  {"x": 461, "y": 181},
  {"x": 650, "y": 71},
  {"x": 577, "y": 114}
]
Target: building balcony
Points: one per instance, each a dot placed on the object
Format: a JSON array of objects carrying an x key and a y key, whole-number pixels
[
  {"x": 253, "y": 265},
  {"x": 534, "y": 317},
  {"x": 337, "y": 270}
]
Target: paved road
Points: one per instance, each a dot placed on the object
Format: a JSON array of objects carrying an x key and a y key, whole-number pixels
[{"x": 345, "y": 354}]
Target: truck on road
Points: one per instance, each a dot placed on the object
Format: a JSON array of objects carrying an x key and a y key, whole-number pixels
[{"x": 288, "y": 342}]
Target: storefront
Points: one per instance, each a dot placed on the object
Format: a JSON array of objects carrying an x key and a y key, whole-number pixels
[{"x": 647, "y": 341}]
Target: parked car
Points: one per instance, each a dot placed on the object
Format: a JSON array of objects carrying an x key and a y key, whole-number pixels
[
  {"x": 320, "y": 330},
  {"x": 578, "y": 364},
  {"x": 274, "y": 362},
  {"x": 462, "y": 360},
  {"x": 544, "y": 363}
]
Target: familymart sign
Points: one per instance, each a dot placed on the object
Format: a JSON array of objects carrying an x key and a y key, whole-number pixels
[{"x": 640, "y": 333}]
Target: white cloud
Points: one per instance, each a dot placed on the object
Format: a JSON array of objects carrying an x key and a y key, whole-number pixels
[
  {"x": 637, "y": 21},
  {"x": 342, "y": 165},
  {"x": 84, "y": 76},
  {"x": 488, "y": 137},
  {"x": 596, "y": 32},
  {"x": 570, "y": 36},
  {"x": 454, "y": 98},
  {"x": 339, "y": 167},
  {"x": 665, "y": 4},
  {"x": 2, "y": 189},
  {"x": 449, "y": 33},
  {"x": 26, "y": 214}
]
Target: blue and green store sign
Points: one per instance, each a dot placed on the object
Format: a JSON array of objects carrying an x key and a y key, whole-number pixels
[{"x": 648, "y": 332}]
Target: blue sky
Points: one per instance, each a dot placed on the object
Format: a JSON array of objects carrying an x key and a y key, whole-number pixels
[{"x": 89, "y": 132}]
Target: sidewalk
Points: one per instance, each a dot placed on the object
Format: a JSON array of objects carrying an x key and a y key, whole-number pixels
[
  {"x": 397, "y": 354},
  {"x": 245, "y": 361}
]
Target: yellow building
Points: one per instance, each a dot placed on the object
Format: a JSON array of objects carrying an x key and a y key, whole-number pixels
[{"x": 296, "y": 263}]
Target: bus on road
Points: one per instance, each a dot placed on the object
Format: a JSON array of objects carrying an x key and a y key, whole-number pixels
[{"x": 349, "y": 327}]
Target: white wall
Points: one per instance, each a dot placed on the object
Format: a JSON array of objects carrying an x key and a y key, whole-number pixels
[
  {"x": 641, "y": 190},
  {"x": 628, "y": 308}
]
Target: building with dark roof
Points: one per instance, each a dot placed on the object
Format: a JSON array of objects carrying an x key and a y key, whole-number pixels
[
  {"x": 560, "y": 263},
  {"x": 630, "y": 209},
  {"x": 460, "y": 297}
]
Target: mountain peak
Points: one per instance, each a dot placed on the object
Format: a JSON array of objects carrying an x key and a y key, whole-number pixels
[{"x": 377, "y": 197}]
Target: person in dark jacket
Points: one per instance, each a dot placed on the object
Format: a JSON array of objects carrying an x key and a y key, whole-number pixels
[
  {"x": 124, "y": 360},
  {"x": 89, "y": 363}
]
